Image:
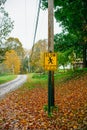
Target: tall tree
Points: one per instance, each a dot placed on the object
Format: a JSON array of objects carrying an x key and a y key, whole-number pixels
[
  {"x": 71, "y": 14},
  {"x": 68, "y": 42},
  {"x": 14, "y": 44},
  {"x": 36, "y": 56},
  {"x": 12, "y": 61},
  {"x": 2, "y": 2},
  {"x": 6, "y": 26}
]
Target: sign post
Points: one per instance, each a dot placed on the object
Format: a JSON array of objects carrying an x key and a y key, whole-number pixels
[
  {"x": 50, "y": 49},
  {"x": 50, "y": 64}
]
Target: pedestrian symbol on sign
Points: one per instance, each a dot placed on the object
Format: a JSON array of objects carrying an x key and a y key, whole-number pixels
[{"x": 50, "y": 60}]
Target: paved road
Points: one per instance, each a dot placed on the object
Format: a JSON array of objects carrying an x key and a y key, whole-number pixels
[{"x": 12, "y": 85}]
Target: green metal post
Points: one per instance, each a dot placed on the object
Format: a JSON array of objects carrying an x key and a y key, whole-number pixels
[{"x": 49, "y": 91}]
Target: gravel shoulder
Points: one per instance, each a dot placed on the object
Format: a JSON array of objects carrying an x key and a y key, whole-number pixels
[{"x": 12, "y": 85}]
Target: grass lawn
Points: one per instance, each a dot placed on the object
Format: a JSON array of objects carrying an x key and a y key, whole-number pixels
[
  {"x": 6, "y": 78},
  {"x": 59, "y": 77}
]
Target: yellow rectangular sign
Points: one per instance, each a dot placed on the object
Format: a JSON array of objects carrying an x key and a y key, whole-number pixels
[{"x": 50, "y": 61}]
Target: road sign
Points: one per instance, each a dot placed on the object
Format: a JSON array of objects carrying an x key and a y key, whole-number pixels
[{"x": 50, "y": 61}]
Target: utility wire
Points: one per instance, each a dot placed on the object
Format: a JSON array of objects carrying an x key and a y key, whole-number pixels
[
  {"x": 25, "y": 20},
  {"x": 38, "y": 12}
]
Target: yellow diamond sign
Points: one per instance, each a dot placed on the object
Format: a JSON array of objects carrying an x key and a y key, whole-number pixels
[{"x": 50, "y": 61}]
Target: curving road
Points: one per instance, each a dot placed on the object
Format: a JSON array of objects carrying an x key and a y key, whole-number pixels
[{"x": 12, "y": 85}]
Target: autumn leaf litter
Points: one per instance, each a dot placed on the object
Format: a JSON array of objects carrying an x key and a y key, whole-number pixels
[{"x": 23, "y": 108}]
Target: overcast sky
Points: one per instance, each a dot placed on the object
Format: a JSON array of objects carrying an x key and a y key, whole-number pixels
[{"x": 23, "y": 13}]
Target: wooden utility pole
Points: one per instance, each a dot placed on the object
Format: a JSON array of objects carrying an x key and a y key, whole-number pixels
[
  {"x": 50, "y": 26},
  {"x": 50, "y": 49}
]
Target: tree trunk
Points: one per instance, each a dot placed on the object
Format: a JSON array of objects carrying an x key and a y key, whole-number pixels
[{"x": 84, "y": 56}]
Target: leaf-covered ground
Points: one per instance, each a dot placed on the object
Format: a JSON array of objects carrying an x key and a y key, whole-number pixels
[{"x": 23, "y": 108}]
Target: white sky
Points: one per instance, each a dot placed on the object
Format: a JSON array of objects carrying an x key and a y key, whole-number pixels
[{"x": 23, "y": 13}]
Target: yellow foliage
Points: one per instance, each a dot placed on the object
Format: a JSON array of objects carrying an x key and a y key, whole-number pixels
[
  {"x": 12, "y": 61},
  {"x": 41, "y": 60}
]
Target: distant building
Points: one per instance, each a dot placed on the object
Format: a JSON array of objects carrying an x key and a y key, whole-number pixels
[{"x": 78, "y": 63}]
